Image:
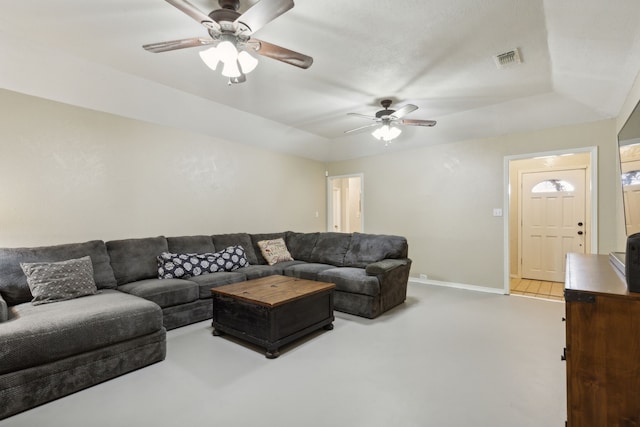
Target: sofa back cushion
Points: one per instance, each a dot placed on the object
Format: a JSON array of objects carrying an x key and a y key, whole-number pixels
[
  {"x": 255, "y": 238},
  {"x": 331, "y": 248},
  {"x": 13, "y": 282},
  {"x": 135, "y": 259},
  {"x": 236, "y": 239},
  {"x": 191, "y": 245},
  {"x": 368, "y": 248},
  {"x": 300, "y": 245}
]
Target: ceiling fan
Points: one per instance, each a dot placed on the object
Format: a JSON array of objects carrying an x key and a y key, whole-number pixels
[
  {"x": 387, "y": 119},
  {"x": 230, "y": 35}
]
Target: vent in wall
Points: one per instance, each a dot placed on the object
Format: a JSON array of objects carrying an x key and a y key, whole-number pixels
[{"x": 506, "y": 59}]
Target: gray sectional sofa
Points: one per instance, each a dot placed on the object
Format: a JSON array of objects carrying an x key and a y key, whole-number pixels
[{"x": 51, "y": 350}]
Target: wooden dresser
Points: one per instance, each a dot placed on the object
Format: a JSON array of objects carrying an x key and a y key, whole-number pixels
[{"x": 603, "y": 345}]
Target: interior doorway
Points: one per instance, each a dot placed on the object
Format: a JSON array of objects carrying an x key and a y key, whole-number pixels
[
  {"x": 545, "y": 193},
  {"x": 345, "y": 195}
]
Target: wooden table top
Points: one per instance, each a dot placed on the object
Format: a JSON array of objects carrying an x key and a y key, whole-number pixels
[{"x": 272, "y": 291}]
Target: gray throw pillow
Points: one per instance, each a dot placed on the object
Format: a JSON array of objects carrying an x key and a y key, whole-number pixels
[{"x": 59, "y": 281}]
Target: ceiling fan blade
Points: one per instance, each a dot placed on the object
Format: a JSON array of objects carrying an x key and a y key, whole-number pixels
[
  {"x": 364, "y": 116},
  {"x": 417, "y": 122},
  {"x": 262, "y": 13},
  {"x": 178, "y": 44},
  {"x": 280, "y": 53},
  {"x": 361, "y": 127},
  {"x": 195, "y": 13},
  {"x": 403, "y": 111}
]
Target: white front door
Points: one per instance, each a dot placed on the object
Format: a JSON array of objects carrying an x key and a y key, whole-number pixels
[{"x": 553, "y": 221}]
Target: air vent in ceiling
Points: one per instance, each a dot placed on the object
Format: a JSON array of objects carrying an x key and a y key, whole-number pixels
[{"x": 508, "y": 58}]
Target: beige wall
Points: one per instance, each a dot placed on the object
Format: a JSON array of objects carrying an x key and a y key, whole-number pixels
[
  {"x": 442, "y": 197},
  {"x": 69, "y": 174}
]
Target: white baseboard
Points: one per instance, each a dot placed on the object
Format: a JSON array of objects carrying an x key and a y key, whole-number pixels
[{"x": 457, "y": 286}]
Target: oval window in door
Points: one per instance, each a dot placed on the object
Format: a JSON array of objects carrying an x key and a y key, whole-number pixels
[{"x": 552, "y": 186}]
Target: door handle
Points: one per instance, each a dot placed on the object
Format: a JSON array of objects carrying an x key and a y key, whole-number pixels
[
  {"x": 580, "y": 224},
  {"x": 580, "y": 233}
]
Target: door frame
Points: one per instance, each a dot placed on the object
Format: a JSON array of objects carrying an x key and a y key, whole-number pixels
[
  {"x": 592, "y": 190},
  {"x": 330, "y": 180}
]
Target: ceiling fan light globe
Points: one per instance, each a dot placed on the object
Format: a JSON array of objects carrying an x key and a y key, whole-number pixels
[
  {"x": 394, "y": 132},
  {"x": 247, "y": 62},
  {"x": 386, "y": 133},
  {"x": 210, "y": 57},
  {"x": 227, "y": 52},
  {"x": 231, "y": 69}
]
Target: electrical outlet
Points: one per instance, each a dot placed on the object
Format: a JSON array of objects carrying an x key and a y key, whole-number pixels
[{"x": 423, "y": 277}]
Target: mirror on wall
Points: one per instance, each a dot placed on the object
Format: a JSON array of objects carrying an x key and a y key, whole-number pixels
[{"x": 629, "y": 145}]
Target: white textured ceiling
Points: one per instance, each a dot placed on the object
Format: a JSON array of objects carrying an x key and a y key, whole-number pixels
[{"x": 580, "y": 60}]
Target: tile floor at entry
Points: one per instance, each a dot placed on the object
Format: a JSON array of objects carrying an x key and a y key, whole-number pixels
[{"x": 538, "y": 289}]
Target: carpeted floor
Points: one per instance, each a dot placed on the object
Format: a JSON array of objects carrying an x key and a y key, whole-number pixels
[{"x": 445, "y": 358}]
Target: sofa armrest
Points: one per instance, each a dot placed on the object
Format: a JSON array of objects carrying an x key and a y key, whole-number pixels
[
  {"x": 393, "y": 276},
  {"x": 384, "y": 266},
  {"x": 4, "y": 310}
]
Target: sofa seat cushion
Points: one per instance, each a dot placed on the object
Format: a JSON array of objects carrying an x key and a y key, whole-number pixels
[
  {"x": 307, "y": 270},
  {"x": 213, "y": 280},
  {"x": 164, "y": 292},
  {"x": 352, "y": 280},
  {"x": 257, "y": 271},
  {"x": 38, "y": 334}
]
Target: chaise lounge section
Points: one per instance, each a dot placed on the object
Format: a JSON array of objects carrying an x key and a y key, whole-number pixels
[{"x": 52, "y": 350}]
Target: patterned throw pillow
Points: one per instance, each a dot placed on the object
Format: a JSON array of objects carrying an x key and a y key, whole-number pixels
[
  {"x": 183, "y": 266},
  {"x": 60, "y": 281},
  {"x": 232, "y": 258},
  {"x": 274, "y": 251}
]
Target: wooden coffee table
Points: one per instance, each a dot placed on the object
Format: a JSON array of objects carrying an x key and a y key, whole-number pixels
[{"x": 272, "y": 311}]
